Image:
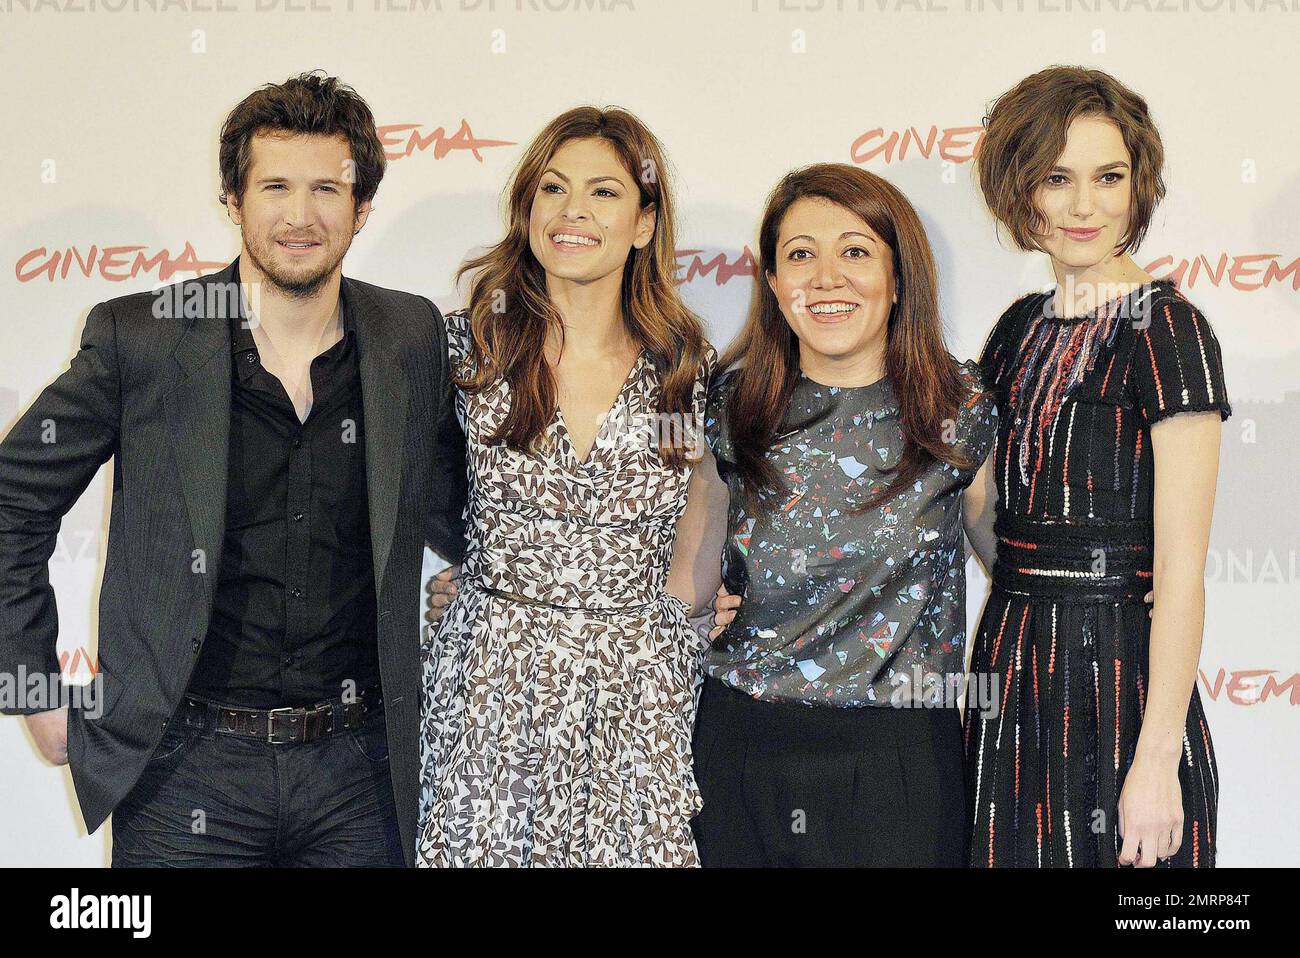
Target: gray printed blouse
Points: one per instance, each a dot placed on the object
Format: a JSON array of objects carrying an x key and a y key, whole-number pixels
[{"x": 842, "y": 608}]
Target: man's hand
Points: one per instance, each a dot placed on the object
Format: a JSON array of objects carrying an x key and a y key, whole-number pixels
[
  {"x": 50, "y": 730},
  {"x": 442, "y": 589}
]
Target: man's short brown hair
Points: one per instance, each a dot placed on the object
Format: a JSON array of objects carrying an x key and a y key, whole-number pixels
[
  {"x": 309, "y": 103},
  {"x": 1025, "y": 134}
]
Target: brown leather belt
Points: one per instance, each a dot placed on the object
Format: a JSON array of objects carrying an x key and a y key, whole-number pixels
[{"x": 282, "y": 726}]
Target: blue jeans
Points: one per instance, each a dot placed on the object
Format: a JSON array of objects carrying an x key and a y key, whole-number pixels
[{"x": 214, "y": 800}]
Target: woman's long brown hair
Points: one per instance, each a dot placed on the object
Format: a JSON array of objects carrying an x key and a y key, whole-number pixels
[
  {"x": 510, "y": 312},
  {"x": 926, "y": 379}
]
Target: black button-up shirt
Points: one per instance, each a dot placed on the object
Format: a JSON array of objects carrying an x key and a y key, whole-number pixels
[{"x": 294, "y": 618}]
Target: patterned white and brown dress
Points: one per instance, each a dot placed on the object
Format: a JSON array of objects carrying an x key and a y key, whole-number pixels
[{"x": 560, "y": 685}]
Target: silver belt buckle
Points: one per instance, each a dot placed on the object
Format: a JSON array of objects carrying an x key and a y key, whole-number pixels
[{"x": 270, "y": 726}]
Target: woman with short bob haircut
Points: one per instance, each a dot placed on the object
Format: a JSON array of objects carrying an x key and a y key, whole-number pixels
[{"x": 1111, "y": 391}]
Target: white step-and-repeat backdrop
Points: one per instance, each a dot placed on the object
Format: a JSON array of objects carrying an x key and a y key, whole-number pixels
[{"x": 111, "y": 113}]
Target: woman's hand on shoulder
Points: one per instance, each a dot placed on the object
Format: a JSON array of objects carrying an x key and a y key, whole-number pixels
[{"x": 724, "y": 607}]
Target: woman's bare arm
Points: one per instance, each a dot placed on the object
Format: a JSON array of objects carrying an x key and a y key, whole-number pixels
[
  {"x": 696, "y": 571},
  {"x": 979, "y": 506},
  {"x": 1186, "y": 453}
]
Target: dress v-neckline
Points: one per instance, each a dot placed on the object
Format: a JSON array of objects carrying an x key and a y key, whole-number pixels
[{"x": 563, "y": 429}]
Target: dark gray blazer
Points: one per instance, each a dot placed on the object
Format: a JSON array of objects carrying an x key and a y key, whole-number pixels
[{"x": 154, "y": 394}]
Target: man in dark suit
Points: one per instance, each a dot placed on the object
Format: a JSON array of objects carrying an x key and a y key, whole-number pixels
[{"x": 284, "y": 444}]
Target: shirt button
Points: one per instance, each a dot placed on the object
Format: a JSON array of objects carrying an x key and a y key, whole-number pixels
[
  {"x": 288, "y": 658},
  {"x": 297, "y": 443},
  {"x": 197, "y": 644},
  {"x": 296, "y": 592},
  {"x": 250, "y": 358},
  {"x": 297, "y": 517}
]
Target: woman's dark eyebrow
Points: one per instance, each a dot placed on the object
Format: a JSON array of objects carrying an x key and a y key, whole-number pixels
[
  {"x": 1101, "y": 169},
  {"x": 805, "y": 236},
  {"x": 590, "y": 181}
]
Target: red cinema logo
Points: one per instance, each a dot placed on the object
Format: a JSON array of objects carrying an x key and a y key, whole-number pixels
[
  {"x": 402, "y": 139},
  {"x": 1251, "y": 686},
  {"x": 954, "y": 144},
  {"x": 71, "y": 663},
  {"x": 116, "y": 264},
  {"x": 1246, "y": 273},
  {"x": 723, "y": 270}
]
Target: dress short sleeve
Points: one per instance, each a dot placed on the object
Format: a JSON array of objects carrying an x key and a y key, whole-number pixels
[
  {"x": 1002, "y": 348},
  {"x": 977, "y": 419},
  {"x": 705, "y": 379},
  {"x": 458, "y": 337},
  {"x": 700, "y": 396},
  {"x": 716, "y": 432},
  {"x": 1176, "y": 365}
]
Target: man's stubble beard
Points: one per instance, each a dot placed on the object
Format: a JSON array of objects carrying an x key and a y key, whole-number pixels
[{"x": 295, "y": 287}]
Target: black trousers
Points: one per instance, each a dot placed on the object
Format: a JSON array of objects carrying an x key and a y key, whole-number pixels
[
  {"x": 787, "y": 784},
  {"x": 213, "y": 800}
]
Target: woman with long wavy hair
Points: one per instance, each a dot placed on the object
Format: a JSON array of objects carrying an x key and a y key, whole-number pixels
[
  {"x": 828, "y": 732},
  {"x": 561, "y": 682}
]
